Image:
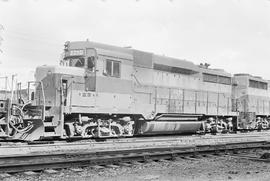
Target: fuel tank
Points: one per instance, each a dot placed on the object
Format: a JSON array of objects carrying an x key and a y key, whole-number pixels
[{"x": 170, "y": 127}]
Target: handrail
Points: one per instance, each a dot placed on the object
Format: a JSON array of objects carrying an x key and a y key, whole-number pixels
[
  {"x": 44, "y": 100},
  {"x": 133, "y": 75},
  {"x": 43, "y": 95}
]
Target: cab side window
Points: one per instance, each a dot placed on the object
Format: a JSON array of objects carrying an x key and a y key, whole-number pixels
[
  {"x": 91, "y": 63},
  {"x": 112, "y": 68},
  {"x": 109, "y": 67}
]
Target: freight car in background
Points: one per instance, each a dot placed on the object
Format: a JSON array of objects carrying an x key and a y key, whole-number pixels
[{"x": 102, "y": 91}]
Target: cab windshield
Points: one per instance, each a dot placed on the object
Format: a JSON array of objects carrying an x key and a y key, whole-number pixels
[
  {"x": 77, "y": 62},
  {"x": 82, "y": 62}
]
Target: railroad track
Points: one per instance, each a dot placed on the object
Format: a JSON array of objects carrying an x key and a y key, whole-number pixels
[
  {"x": 135, "y": 139},
  {"x": 38, "y": 162},
  {"x": 52, "y": 149},
  {"x": 21, "y": 157}
]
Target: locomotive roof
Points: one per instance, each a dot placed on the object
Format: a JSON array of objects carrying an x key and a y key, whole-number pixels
[
  {"x": 90, "y": 44},
  {"x": 173, "y": 62},
  {"x": 141, "y": 58},
  {"x": 219, "y": 72},
  {"x": 257, "y": 78}
]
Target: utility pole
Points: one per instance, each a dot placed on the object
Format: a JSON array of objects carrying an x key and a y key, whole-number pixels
[
  {"x": 12, "y": 87},
  {"x": 1, "y": 39}
]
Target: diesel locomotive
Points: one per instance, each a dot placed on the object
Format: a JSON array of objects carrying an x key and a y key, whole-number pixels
[{"x": 104, "y": 91}]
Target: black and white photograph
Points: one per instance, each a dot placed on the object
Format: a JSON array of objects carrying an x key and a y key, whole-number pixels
[{"x": 134, "y": 90}]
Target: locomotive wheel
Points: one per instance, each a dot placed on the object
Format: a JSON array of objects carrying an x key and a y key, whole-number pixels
[{"x": 89, "y": 131}]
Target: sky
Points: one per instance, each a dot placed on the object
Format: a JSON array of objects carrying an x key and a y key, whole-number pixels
[{"x": 233, "y": 35}]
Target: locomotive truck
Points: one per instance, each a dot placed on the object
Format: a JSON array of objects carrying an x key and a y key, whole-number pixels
[{"x": 104, "y": 91}]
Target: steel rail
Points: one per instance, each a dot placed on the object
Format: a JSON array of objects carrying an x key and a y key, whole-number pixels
[
  {"x": 4, "y": 143},
  {"x": 37, "y": 162}
]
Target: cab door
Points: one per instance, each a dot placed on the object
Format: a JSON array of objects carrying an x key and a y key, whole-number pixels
[
  {"x": 90, "y": 71},
  {"x": 64, "y": 93}
]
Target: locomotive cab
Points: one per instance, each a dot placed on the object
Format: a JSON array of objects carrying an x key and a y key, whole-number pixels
[
  {"x": 67, "y": 88},
  {"x": 89, "y": 95},
  {"x": 85, "y": 59}
]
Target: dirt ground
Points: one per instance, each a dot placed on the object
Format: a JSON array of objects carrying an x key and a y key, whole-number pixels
[{"x": 205, "y": 168}]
